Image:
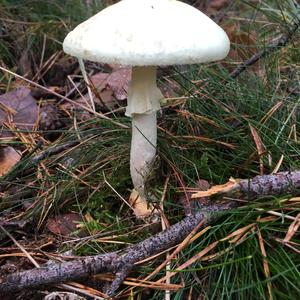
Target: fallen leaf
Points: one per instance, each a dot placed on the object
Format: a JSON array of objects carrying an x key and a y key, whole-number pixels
[
  {"x": 111, "y": 88},
  {"x": 18, "y": 109},
  {"x": 24, "y": 63},
  {"x": 64, "y": 224},
  {"x": 244, "y": 43},
  {"x": 8, "y": 158},
  {"x": 214, "y": 8},
  {"x": 118, "y": 81}
]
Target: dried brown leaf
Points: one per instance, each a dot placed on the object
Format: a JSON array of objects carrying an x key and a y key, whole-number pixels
[
  {"x": 111, "y": 88},
  {"x": 118, "y": 81},
  {"x": 64, "y": 224},
  {"x": 18, "y": 109},
  {"x": 8, "y": 158}
]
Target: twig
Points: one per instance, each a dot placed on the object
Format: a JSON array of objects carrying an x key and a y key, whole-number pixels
[
  {"x": 121, "y": 263},
  {"x": 20, "y": 247},
  {"x": 259, "y": 186},
  {"x": 280, "y": 43},
  {"x": 53, "y": 151},
  {"x": 34, "y": 262},
  {"x": 13, "y": 224}
]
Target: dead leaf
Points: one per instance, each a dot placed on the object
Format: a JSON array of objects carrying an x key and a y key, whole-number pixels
[
  {"x": 64, "y": 224},
  {"x": 244, "y": 43},
  {"x": 24, "y": 64},
  {"x": 8, "y": 158},
  {"x": 50, "y": 120},
  {"x": 109, "y": 90},
  {"x": 118, "y": 81},
  {"x": 18, "y": 109},
  {"x": 214, "y": 7}
]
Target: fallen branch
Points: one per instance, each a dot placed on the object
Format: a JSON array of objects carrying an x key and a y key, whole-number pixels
[
  {"x": 53, "y": 151},
  {"x": 118, "y": 263},
  {"x": 121, "y": 263},
  {"x": 259, "y": 186}
]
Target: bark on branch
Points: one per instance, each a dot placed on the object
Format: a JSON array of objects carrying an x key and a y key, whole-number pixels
[{"x": 121, "y": 263}]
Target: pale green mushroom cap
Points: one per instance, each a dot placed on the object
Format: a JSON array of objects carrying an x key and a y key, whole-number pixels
[{"x": 148, "y": 32}]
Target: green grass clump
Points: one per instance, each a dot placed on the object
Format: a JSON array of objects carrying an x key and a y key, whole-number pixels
[{"x": 31, "y": 32}]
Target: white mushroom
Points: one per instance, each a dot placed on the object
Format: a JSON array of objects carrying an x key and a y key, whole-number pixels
[{"x": 144, "y": 34}]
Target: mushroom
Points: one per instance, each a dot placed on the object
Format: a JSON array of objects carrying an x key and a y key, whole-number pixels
[{"x": 145, "y": 34}]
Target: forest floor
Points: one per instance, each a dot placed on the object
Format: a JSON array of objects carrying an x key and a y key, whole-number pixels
[{"x": 64, "y": 166}]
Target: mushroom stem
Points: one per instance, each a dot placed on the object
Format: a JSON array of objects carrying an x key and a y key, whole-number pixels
[
  {"x": 143, "y": 102},
  {"x": 143, "y": 149}
]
